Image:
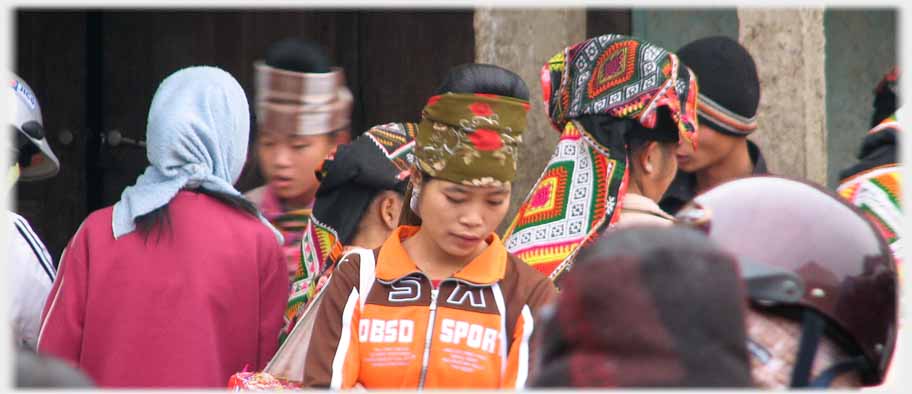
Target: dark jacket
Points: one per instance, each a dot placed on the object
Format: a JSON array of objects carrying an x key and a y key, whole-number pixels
[
  {"x": 684, "y": 186},
  {"x": 877, "y": 149}
]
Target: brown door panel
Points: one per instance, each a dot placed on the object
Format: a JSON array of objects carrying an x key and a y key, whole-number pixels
[
  {"x": 50, "y": 56},
  {"x": 106, "y": 66}
]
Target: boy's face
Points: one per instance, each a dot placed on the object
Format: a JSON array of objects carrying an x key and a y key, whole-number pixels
[
  {"x": 712, "y": 148},
  {"x": 288, "y": 163}
]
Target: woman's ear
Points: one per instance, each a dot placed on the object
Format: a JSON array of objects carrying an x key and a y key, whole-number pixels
[
  {"x": 390, "y": 209},
  {"x": 415, "y": 179},
  {"x": 649, "y": 156}
]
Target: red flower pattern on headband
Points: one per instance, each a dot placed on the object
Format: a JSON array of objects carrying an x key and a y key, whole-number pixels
[
  {"x": 481, "y": 109},
  {"x": 486, "y": 140}
]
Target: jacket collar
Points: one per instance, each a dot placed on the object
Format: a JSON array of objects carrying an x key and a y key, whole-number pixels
[
  {"x": 394, "y": 263},
  {"x": 636, "y": 202}
]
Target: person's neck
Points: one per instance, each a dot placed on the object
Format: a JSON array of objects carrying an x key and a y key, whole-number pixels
[
  {"x": 299, "y": 202},
  {"x": 641, "y": 187},
  {"x": 736, "y": 165},
  {"x": 633, "y": 187},
  {"x": 370, "y": 236},
  {"x": 434, "y": 262}
]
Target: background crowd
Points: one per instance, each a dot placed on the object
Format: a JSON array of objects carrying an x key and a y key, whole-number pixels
[{"x": 655, "y": 249}]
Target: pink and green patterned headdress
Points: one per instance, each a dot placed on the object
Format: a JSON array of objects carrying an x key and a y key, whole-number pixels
[
  {"x": 350, "y": 178},
  {"x": 580, "y": 192}
]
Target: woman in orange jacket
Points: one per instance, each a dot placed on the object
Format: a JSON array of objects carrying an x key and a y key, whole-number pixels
[{"x": 441, "y": 304}]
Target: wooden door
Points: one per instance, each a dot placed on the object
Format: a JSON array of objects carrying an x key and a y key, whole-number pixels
[
  {"x": 393, "y": 60},
  {"x": 50, "y": 55},
  {"x": 116, "y": 59},
  {"x": 600, "y": 21}
]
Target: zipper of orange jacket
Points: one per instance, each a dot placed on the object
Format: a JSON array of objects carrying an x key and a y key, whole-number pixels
[{"x": 427, "y": 338}]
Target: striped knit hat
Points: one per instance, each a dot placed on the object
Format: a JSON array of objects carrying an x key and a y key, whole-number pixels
[{"x": 729, "y": 86}]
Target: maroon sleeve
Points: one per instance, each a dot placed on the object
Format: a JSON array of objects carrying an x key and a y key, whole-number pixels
[
  {"x": 273, "y": 298},
  {"x": 62, "y": 319}
]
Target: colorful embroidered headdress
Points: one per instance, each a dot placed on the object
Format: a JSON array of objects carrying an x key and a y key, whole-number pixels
[
  {"x": 350, "y": 178},
  {"x": 471, "y": 138},
  {"x": 580, "y": 191},
  {"x": 877, "y": 188}
]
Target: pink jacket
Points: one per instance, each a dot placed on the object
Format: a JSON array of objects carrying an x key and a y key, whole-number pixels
[{"x": 186, "y": 310}]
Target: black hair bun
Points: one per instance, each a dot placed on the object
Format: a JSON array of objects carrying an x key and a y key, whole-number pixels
[
  {"x": 483, "y": 78},
  {"x": 294, "y": 54}
]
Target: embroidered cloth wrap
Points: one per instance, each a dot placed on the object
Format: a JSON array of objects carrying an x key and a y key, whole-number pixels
[
  {"x": 260, "y": 381},
  {"x": 472, "y": 139},
  {"x": 580, "y": 191},
  {"x": 380, "y": 159},
  {"x": 878, "y": 193},
  {"x": 302, "y": 103}
]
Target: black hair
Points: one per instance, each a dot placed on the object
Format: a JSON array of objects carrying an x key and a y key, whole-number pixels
[
  {"x": 299, "y": 55},
  {"x": 159, "y": 220},
  {"x": 665, "y": 131},
  {"x": 469, "y": 78},
  {"x": 667, "y": 267},
  {"x": 605, "y": 129},
  {"x": 483, "y": 78},
  {"x": 643, "y": 243},
  {"x": 375, "y": 196},
  {"x": 885, "y": 104},
  {"x": 409, "y": 217}
]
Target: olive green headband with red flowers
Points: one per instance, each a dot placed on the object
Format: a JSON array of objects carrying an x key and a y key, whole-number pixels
[{"x": 471, "y": 138}]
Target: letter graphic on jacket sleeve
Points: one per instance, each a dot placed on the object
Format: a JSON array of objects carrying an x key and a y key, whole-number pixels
[
  {"x": 446, "y": 330},
  {"x": 62, "y": 321},
  {"x": 475, "y": 333},
  {"x": 364, "y": 327},
  {"x": 391, "y": 332},
  {"x": 376, "y": 333},
  {"x": 332, "y": 358},
  {"x": 406, "y": 331},
  {"x": 462, "y": 331}
]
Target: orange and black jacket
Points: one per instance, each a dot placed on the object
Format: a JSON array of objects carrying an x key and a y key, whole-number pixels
[{"x": 473, "y": 331}]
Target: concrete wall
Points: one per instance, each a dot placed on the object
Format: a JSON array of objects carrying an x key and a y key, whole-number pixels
[
  {"x": 861, "y": 46},
  {"x": 521, "y": 40},
  {"x": 672, "y": 28},
  {"x": 817, "y": 69},
  {"x": 788, "y": 47}
]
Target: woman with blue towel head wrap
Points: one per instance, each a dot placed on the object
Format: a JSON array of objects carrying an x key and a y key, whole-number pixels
[{"x": 181, "y": 283}]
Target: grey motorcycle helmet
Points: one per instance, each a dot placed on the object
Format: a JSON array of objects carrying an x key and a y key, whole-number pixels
[{"x": 31, "y": 149}]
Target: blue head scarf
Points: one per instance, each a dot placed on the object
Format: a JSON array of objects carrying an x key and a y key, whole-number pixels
[{"x": 197, "y": 135}]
